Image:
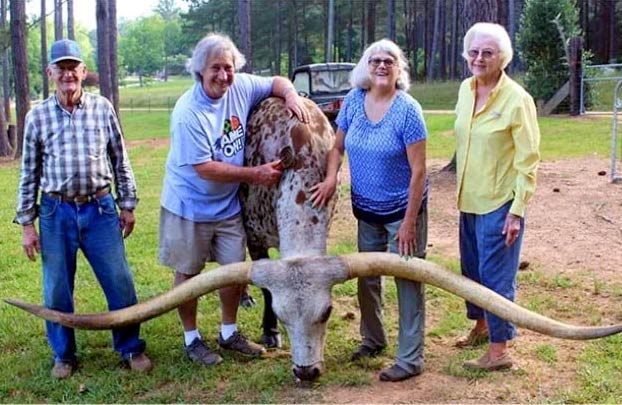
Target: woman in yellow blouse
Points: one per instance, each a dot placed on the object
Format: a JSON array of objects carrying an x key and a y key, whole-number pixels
[{"x": 497, "y": 157}]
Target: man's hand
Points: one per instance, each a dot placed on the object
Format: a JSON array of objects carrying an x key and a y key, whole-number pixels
[
  {"x": 126, "y": 221},
  {"x": 30, "y": 241},
  {"x": 295, "y": 104},
  {"x": 268, "y": 174}
]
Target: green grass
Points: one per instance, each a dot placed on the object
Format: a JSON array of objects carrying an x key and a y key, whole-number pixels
[
  {"x": 24, "y": 354},
  {"x": 154, "y": 95}
]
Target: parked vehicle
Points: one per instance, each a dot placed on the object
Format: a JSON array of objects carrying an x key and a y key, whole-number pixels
[{"x": 325, "y": 83}]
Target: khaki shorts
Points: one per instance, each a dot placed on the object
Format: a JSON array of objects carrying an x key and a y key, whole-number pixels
[{"x": 186, "y": 245}]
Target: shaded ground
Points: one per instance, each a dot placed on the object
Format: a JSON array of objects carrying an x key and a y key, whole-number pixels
[{"x": 573, "y": 246}]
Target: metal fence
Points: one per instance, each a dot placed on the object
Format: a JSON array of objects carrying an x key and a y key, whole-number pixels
[{"x": 602, "y": 79}]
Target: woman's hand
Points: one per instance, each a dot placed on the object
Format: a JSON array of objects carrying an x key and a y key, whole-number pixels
[
  {"x": 406, "y": 239},
  {"x": 323, "y": 192},
  {"x": 511, "y": 228}
]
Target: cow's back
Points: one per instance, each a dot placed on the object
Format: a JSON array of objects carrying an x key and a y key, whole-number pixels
[{"x": 282, "y": 216}]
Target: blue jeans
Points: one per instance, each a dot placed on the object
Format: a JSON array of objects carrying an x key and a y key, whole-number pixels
[
  {"x": 374, "y": 237},
  {"x": 93, "y": 228},
  {"x": 485, "y": 259}
]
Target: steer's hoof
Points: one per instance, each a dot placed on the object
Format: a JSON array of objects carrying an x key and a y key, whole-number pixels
[{"x": 271, "y": 340}]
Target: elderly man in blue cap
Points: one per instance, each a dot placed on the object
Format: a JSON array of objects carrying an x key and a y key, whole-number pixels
[{"x": 73, "y": 152}]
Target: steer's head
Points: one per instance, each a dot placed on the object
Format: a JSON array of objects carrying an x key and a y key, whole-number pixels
[{"x": 301, "y": 298}]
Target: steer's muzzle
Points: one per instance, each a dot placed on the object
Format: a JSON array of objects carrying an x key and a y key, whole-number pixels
[{"x": 308, "y": 373}]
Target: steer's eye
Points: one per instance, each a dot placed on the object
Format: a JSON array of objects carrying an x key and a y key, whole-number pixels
[{"x": 326, "y": 314}]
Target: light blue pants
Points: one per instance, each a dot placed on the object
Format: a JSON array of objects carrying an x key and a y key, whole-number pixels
[
  {"x": 485, "y": 259},
  {"x": 411, "y": 295},
  {"x": 93, "y": 228}
]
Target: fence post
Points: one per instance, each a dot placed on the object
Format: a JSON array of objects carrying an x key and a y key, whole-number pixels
[{"x": 576, "y": 73}]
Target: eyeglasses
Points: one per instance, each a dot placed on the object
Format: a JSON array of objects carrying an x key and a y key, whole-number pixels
[
  {"x": 67, "y": 68},
  {"x": 486, "y": 53},
  {"x": 388, "y": 63}
]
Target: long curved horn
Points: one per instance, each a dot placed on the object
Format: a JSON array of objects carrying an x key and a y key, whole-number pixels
[
  {"x": 376, "y": 264},
  {"x": 231, "y": 274}
]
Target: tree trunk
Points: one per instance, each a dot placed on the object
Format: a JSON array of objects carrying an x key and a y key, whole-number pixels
[
  {"x": 5, "y": 146},
  {"x": 244, "y": 21},
  {"x": 612, "y": 32},
  {"x": 112, "y": 54},
  {"x": 391, "y": 20},
  {"x": 58, "y": 20},
  {"x": 479, "y": 11},
  {"x": 6, "y": 87},
  {"x": 512, "y": 30},
  {"x": 103, "y": 49},
  {"x": 350, "y": 35},
  {"x": 371, "y": 21},
  {"x": 442, "y": 45},
  {"x": 454, "y": 43},
  {"x": 330, "y": 37},
  {"x": 279, "y": 34},
  {"x": 363, "y": 25},
  {"x": 44, "y": 52},
  {"x": 292, "y": 38},
  {"x": 20, "y": 69},
  {"x": 70, "y": 22},
  {"x": 431, "y": 73},
  {"x": 409, "y": 35}
]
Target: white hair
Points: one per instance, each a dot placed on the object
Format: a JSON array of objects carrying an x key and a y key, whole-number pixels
[
  {"x": 497, "y": 33},
  {"x": 211, "y": 45},
  {"x": 360, "y": 74}
]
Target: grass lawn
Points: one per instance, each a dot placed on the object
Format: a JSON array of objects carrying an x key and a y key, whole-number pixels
[{"x": 24, "y": 354}]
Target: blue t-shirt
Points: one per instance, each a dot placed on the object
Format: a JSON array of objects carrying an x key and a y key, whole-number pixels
[
  {"x": 379, "y": 166},
  {"x": 203, "y": 130}
]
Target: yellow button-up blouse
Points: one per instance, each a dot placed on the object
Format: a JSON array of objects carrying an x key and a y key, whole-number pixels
[{"x": 497, "y": 148}]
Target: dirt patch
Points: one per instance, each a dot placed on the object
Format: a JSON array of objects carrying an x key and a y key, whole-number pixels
[{"x": 573, "y": 239}]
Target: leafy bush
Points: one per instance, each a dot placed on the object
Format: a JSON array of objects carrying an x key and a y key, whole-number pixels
[{"x": 541, "y": 45}]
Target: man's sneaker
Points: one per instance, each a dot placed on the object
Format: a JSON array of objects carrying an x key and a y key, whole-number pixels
[
  {"x": 199, "y": 352},
  {"x": 140, "y": 363},
  {"x": 396, "y": 373},
  {"x": 240, "y": 344},
  {"x": 271, "y": 340},
  {"x": 63, "y": 369}
]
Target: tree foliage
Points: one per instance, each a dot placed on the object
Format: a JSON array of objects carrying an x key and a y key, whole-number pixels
[
  {"x": 541, "y": 46},
  {"x": 142, "y": 45}
]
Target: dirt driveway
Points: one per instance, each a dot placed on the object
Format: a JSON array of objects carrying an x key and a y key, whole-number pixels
[{"x": 573, "y": 245}]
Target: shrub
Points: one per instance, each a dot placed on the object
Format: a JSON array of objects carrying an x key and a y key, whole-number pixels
[{"x": 542, "y": 47}]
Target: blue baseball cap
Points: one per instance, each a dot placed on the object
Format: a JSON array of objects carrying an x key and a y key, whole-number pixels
[{"x": 65, "y": 49}]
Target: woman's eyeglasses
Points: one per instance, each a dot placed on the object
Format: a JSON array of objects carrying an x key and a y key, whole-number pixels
[
  {"x": 388, "y": 63},
  {"x": 486, "y": 53}
]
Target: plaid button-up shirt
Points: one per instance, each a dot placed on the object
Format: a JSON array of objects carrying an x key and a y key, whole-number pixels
[{"x": 73, "y": 154}]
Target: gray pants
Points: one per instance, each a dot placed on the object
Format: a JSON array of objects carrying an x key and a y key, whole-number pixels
[{"x": 411, "y": 295}]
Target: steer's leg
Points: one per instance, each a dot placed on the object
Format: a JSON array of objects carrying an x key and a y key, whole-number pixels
[{"x": 271, "y": 338}]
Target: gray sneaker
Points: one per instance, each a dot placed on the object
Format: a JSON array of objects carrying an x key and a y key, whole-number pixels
[
  {"x": 237, "y": 342},
  {"x": 199, "y": 352}
]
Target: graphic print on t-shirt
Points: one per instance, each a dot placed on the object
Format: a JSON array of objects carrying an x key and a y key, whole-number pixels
[{"x": 232, "y": 139}]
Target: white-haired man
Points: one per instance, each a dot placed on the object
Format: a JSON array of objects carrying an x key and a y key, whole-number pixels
[{"x": 200, "y": 217}]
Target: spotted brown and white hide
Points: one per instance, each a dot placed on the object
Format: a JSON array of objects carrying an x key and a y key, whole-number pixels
[{"x": 283, "y": 217}]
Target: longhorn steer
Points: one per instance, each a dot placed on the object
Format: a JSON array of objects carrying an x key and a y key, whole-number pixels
[
  {"x": 301, "y": 283},
  {"x": 302, "y": 300},
  {"x": 282, "y": 217}
]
